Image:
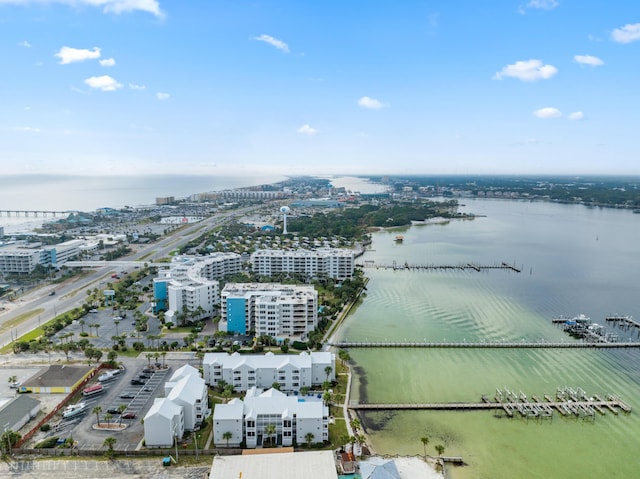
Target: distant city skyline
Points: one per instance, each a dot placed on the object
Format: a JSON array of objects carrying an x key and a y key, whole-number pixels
[{"x": 112, "y": 87}]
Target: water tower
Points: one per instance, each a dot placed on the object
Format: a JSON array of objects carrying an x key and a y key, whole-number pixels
[{"x": 284, "y": 210}]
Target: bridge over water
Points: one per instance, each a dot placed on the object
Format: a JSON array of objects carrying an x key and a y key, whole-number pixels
[{"x": 35, "y": 213}]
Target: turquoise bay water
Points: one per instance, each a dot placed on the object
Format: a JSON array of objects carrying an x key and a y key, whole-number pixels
[{"x": 574, "y": 260}]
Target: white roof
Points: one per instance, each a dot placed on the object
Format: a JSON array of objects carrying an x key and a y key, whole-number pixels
[
  {"x": 188, "y": 389},
  {"x": 268, "y": 360},
  {"x": 315, "y": 464},
  {"x": 183, "y": 371},
  {"x": 231, "y": 410},
  {"x": 163, "y": 407}
]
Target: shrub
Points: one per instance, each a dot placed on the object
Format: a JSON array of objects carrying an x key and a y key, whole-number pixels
[
  {"x": 48, "y": 443},
  {"x": 45, "y": 427}
]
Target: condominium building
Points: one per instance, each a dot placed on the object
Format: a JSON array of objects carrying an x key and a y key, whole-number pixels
[
  {"x": 335, "y": 263},
  {"x": 293, "y": 420},
  {"x": 191, "y": 283},
  {"x": 184, "y": 408},
  {"x": 271, "y": 309},
  {"x": 291, "y": 371}
]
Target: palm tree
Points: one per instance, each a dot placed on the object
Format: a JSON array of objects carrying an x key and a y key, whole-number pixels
[
  {"x": 149, "y": 356},
  {"x": 439, "y": 449},
  {"x": 107, "y": 417},
  {"x": 81, "y": 323},
  {"x": 164, "y": 355},
  {"x": 226, "y": 436},
  {"x": 97, "y": 410},
  {"x": 355, "y": 424},
  {"x": 13, "y": 379},
  {"x": 309, "y": 438},
  {"x": 109, "y": 442},
  {"x": 425, "y": 441},
  {"x": 270, "y": 430},
  {"x": 121, "y": 409},
  {"x": 327, "y": 371}
]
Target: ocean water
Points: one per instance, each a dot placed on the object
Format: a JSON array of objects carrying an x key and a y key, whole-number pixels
[
  {"x": 80, "y": 193},
  {"x": 574, "y": 260}
]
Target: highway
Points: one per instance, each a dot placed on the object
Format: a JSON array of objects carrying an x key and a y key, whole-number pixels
[{"x": 73, "y": 293}]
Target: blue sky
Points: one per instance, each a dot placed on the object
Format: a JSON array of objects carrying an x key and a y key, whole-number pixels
[{"x": 319, "y": 87}]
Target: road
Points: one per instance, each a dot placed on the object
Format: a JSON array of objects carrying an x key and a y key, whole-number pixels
[{"x": 73, "y": 293}]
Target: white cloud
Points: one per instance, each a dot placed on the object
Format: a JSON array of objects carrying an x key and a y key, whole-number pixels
[
  {"x": 108, "y": 6},
  {"x": 108, "y": 62},
  {"x": 28, "y": 129},
  {"x": 25, "y": 44},
  {"x": 279, "y": 44},
  {"x": 576, "y": 115},
  {"x": 72, "y": 55},
  {"x": 547, "y": 112},
  {"x": 588, "y": 60},
  {"x": 162, "y": 96},
  {"x": 627, "y": 34},
  {"x": 529, "y": 70},
  {"x": 371, "y": 103},
  {"x": 307, "y": 130},
  {"x": 104, "y": 83},
  {"x": 538, "y": 4},
  {"x": 133, "y": 86}
]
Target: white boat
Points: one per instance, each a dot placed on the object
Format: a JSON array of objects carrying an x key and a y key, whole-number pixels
[{"x": 74, "y": 410}]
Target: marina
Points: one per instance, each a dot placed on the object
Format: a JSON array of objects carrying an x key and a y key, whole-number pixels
[{"x": 568, "y": 402}]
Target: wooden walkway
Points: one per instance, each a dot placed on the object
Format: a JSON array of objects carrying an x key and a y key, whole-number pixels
[
  {"x": 435, "y": 267},
  {"x": 484, "y": 344},
  {"x": 534, "y": 408}
]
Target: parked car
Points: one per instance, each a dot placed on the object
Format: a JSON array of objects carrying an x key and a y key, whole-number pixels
[
  {"x": 147, "y": 370},
  {"x": 51, "y": 293},
  {"x": 129, "y": 415},
  {"x": 14, "y": 385},
  {"x": 144, "y": 376},
  {"x": 93, "y": 311},
  {"x": 127, "y": 395},
  {"x": 137, "y": 382},
  {"x": 113, "y": 410}
]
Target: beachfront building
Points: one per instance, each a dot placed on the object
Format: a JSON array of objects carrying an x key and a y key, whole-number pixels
[
  {"x": 190, "y": 287},
  {"x": 271, "y": 309},
  {"x": 291, "y": 371},
  {"x": 163, "y": 423},
  {"x": 296, "y": 420},
  {"x": 334, "y": 263}
]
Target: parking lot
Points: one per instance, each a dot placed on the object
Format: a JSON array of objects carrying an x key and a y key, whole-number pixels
[{"x": 128, "y": 389}]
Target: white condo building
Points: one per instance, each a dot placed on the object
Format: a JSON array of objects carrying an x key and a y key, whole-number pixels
[
  {"x": 296, "y": 420},
  {"x": 335, "y": 263},
  {"x": 269, "y": 309},
  {"x": 291, "y": 371},
  {"x": 191, "y": 283},
  {"x": 184, "y": 408}
]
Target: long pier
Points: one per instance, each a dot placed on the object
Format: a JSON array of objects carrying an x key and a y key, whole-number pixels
[
  {"x": 395, "y": 266},
  {"x": 34, "y": 213},
  {"x": 626, "y": 320},
  {"x": 486, "y": 344},
  {"x": 568, "y": 402}
]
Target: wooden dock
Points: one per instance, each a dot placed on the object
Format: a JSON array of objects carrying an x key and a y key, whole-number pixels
[
  {"x": 395, "y": 266},
  {"x": 567, "y": 404},
  {"x": 625, "y": 320},
  {"x": 486, "y": 344}
]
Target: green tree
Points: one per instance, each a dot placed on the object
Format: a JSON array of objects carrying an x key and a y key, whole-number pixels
[
  {"x": 109, "y": 442},
  {"x": 328, "y": 371},
  {"x": 425, "y": 441},
  {"x": 270, "y": 430},
  {"x": 97, "y": 410},
  {"x": 13, "y": 379},
  {"x": 439, "y": 449},
  {"x": 226, "y": 436},
  {"x": 309, "y": 438},
  {"x": 121, "y": 409}
]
